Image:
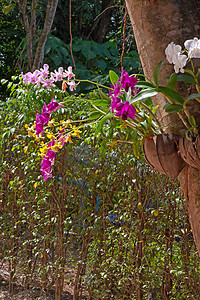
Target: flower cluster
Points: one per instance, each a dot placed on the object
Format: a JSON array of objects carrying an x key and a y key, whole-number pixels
[
  {"x": 123, "y": 110},
  {"x": 43, "y": 119},
  {"x": 174, "y": 53},
  {"x": 49, "y": 159},
  {"x": 46, "y": 79},
  {"x": 48, "y": 152}
]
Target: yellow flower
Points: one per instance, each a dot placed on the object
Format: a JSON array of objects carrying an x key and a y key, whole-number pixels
[
  {"x": 66, "y": 123},
  {"x": 76, "y": 132},
  {"x": 51, "y": 122},
  {"x": 35, "y": 185},
  {"x": 30, "y": 132},
  {"x": 68, "y": 139},
  {"x": 26, "y": 126},
  {"x": 44, "y": 149},
  {"x": 25, "y": 149},
  {"x": 50, "y": 136},
  {"x": 55, "y": 147}
]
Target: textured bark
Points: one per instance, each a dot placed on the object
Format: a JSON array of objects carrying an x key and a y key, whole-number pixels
[
  {"x": 50, "y": 13},
  {"x": 29, "y": 26},
  {"x": 190, "y": 183},
  {"x": 156, "y": 23},
  {"x": 35, "y": 61}
]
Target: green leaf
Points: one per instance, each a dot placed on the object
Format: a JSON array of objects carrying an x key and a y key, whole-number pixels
[
  {"x": 103, "y": 148},
  {"x": 100, "y": 124},
  {"x": 100, "y": 102},
  {"x": 192, "y": 121},
  {"x": 4, "y": 81},
  {"x": 113, "y": 77},
  {"x": 94, "y": 115},
  {"x": 186, "y": 78},
  {"x": 172, "y": 82},
  {"x": 145, "y": 84},
  {"x": 56, "y": 59},
  {"x": 104, "y": 96},
  {"x": 171, "y": 94},
  {"x": 144, "y": 94},
  {"x": 189, "y": 71},
  {"x": 156, "y": 72},
  {"x": 166, "y": 105},
  {"x": 101, "y": 64},
  {"x": 193, "y": 96},
  {"x": 174, "y": 108},
  {"x": 7, "y": 8}
]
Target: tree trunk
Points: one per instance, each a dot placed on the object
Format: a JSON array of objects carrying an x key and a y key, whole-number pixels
[
  {"x": 50, "y": 14},
  {"x": 103, "y": 21},
  {"x": 35, "y": 59},
  {"x": 156, "y": 23}
]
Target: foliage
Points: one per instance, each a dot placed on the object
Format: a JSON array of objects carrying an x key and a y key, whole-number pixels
[
  {"x": 93, "y": 61},
  {"x": 112, "y": 220},
  {"x": 11, "y": 34}
]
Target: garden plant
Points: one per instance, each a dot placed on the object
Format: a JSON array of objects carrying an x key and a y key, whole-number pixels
[{"x": 102, "y": 208}]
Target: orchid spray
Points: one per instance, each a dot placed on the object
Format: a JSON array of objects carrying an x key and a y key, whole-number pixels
[
  {"x": 109, "y": 103},
  {"x": 125, "y": 105}
]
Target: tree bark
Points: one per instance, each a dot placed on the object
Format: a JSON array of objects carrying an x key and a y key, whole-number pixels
[
  {"x": 50, "y": 14},
  {"x": 35, "y": 60},
  {"x": 104, "y": 21},
  {"x": 156, "y": 23}
]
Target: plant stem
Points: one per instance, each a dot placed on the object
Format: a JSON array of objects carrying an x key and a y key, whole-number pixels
[
  {"x": 152, "y": 114},
  {"x": 178, "y": 113},
  {"x": 95, "y": 83}
]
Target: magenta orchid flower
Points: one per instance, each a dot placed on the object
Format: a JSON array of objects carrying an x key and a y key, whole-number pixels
[
  {"x": 43, "y": 119},
  {"x": 114, "y": 102},
  {"x": 127, "y": 81},
  {"x": 125, "y": 111}
]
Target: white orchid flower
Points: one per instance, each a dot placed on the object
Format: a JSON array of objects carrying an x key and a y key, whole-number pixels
[
  {"x": 179, "y": 61},
  {"x": 171, "y": 51},
  {"x": 193, "y": 47}
]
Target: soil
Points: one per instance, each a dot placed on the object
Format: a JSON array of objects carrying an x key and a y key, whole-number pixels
[{"x": 33, "y": 293}]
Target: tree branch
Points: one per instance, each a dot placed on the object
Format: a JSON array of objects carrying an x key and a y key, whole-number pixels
[{"x": 50, "y": 13}]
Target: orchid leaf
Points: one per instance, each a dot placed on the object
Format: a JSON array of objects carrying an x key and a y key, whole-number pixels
[
  {"x": 100, "y": 124},
  {"x": 103, "y": 148},
  {"x": 113, "y": 77},
  {"x": 192, "y": 121},
  {"x": 145, "y": 84},
  {"x": 189, "y": 71},
  {"x": 193, "y": 96},
  {"x": 172, "y": 82},
  {"x": 100, "y": 102},
  {"x": 144, "y": 94},
  {"x": 103, "y": 95},
  {"x": 156, "y": 72},
  {"x": 174, "y": 108},
  {"x": 95, "y": 115},
  {"x": 186, "y": 78},
  {"x": 171, "y": 94}
]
